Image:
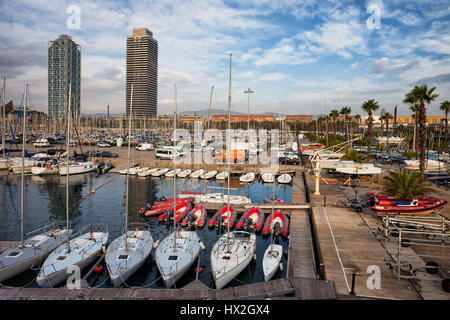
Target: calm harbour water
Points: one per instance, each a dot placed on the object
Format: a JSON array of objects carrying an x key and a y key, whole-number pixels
[{"x": 45, "y": 201}]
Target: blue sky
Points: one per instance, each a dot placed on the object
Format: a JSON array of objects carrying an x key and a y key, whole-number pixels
[{"x": 298, "y": 56}]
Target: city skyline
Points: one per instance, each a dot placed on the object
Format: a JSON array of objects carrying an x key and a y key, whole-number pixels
[{"x": 298, "y": 58}]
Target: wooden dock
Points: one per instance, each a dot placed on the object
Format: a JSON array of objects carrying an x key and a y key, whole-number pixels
[
  {"x": 301, "y": 255},
  {"x": 293, "y": 288}
]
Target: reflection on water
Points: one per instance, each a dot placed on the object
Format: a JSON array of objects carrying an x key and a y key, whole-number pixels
[{"x": 45, "y": 201}]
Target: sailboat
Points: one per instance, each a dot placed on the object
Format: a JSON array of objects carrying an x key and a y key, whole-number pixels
[
  {"x": 178, "y": 251},
  {"x": 126, "y": 254},
  {"x": 233, "y": 251},
  {"x": 32, "y": 251},
  {"x": 273, "y": 254},
  {"x": 80, "y": 251}
]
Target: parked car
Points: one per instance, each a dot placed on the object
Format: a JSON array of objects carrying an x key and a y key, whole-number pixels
[
  {"x": 285, "y": 160},
  {"x": 103, "y": 145},
  {"x": 107, "y": 154},
  {"x": 144, "y": 146},
  {"x": 41, "y": 143},
  {"x": 92, "y": 153}
]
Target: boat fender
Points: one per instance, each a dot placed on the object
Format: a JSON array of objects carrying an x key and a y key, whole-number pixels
[
  {"x": 93, "y": 191},
  {"x": 281, "y": 266},
  {"x": 202, "y": 245},
  {"x": 200, "y": 270},
  {"x": 98, "y": 269},
  {"x": 156, "y": 244}
]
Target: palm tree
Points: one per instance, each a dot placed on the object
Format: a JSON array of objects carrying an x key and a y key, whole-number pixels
[
  {"x": 333, "y": 115},
  {"x": 405, "y": 185},
  {"x": 445, "y": 106},
  {"x": 422, "y": 95},
  {"x": 386, "y": 117},
  {"x": 345, "y": 111},
  {"x": 370, "y": 106},
  {"x": 414, "y": 107}
]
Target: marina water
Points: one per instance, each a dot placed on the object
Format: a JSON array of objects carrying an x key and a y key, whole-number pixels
[{"x": 45, "y": 201}]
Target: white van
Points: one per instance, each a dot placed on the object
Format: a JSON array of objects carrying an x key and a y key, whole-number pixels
[
  {"x": 41, "y": 143},
  {"x": 169, "y": 153},
  {"x": 144, "y": 146}
]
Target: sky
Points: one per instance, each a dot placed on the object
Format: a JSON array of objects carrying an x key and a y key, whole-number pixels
[{"x": 299, "y": 57}]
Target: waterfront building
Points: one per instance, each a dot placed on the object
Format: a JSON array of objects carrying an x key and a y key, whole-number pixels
[
  {"x": 64, "y": 69},
  {"x": 142, "y": 73}
]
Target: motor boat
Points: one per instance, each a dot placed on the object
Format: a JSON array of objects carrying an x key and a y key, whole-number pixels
[
  {"x": 184, "y": 173},
  {"x": 181, "y": 210},
  {"x": 196, "y": 174},
  {"x": 172, "y": 173},
  {"x": 268, "y": 177},
  {"x": 160, "y": 208},
  {"x": 253, "y": 219},
  {"x": 208, "y": 174},
  {"x": 222, "y": 175},
  {"x": 272, "y": 260},
  {"x": 276, "y": 223},
  {"x": 247, "y": 177},
  {"x": 388, "y": 205},
  {"x": 160, "y": 172},
  {"x": 284, "y": 178},
  {"x": 225, "y": 216},
  {"x": 132, "y": 171},
  {"x": 147, "y": 172},
  {"x": 197, "y": 217}
]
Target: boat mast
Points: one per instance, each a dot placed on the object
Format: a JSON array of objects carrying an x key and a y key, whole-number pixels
[
  {"x": 3, "y": 117},
  {"x": 128, "y": 172},
  {"x": 209, "y": 110},
  {"x": 24, "y": 141},
  {"x": 273, "y": 201},
  {"x": 174, "y": 172},
  {"x": 226, "y": 161},
  {"x": 68, "y": 165}
]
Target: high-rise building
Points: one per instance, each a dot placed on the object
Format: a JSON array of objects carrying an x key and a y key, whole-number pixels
[
  {"x": 142, "y": 72},
  {"x": 64, "y": 69}
]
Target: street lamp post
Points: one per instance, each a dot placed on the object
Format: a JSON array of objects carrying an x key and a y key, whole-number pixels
[{"x": 248, "y": 91}]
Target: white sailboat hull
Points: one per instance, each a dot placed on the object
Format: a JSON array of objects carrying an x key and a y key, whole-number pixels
[
  {"x": 226, "y": 266},
  {"x": 78, "y": 168},
  {"x": 15, "y": 269},
  {"x": 271, "y": 260},
  {"x": 140, "y": 245},
  {"x": 188, "y": 248},
  {"x": 54, "y": 272}
]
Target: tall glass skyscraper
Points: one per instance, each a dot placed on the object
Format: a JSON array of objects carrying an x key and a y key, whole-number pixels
[
  {"x": 64, "y": 69},
  {"x": 142, "y": 72}
]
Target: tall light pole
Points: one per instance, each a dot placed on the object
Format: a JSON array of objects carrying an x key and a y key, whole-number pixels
[{"x": 248, "y": 91}]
